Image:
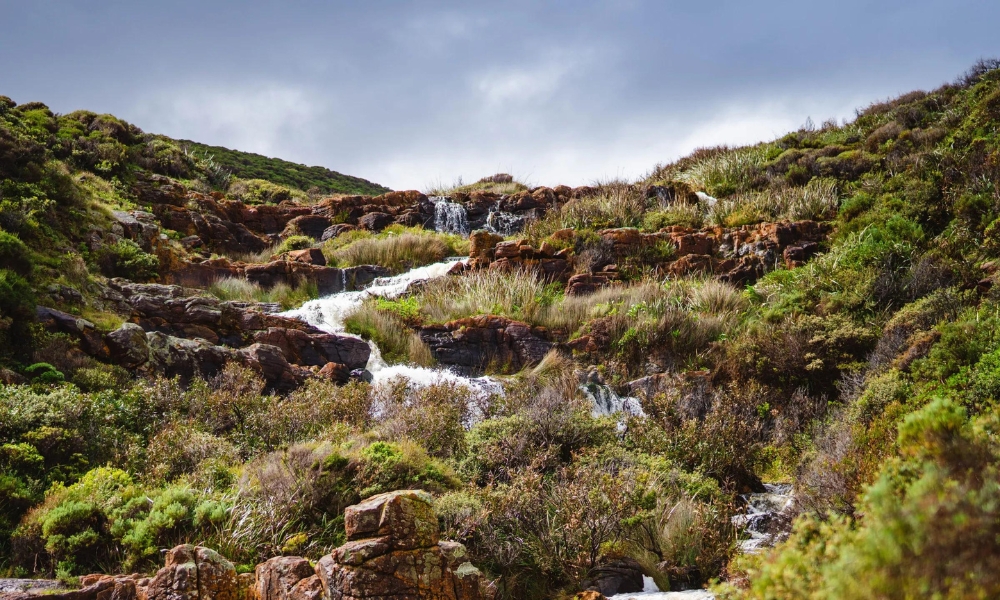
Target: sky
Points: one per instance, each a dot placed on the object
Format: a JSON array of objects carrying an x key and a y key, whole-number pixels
[{"x": 419, "y": 94}]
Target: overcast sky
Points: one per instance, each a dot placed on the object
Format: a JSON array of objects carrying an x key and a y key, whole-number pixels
[{"x": 411, "y": 94}]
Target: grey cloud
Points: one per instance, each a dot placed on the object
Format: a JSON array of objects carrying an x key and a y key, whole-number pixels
[{"x": 409, "y": 93}]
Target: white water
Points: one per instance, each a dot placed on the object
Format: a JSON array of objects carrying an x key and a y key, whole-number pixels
[
  {"x": 651, "y": 592},
  {"x": 328, "y": 313},
  {"x": 762, "y": 509},
  {"x": 503, "y": 223},
  {"x": 606, "y": 402},
  {"x": 449, "y": 217}
]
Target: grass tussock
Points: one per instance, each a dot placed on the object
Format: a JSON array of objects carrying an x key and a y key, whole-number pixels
[
  {"x": 398, "y": 249},
  {"x": 390, "y": 333},
  {"x": 241, "y": 290}
]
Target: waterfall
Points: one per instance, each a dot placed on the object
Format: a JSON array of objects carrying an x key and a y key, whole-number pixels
[
  {"x": 762, "y": 511},
  {"x": 503, "y": 223},
  {"x": 606, "y": 402},
  {"x": 449, "y": 217},
  {"x": 328, "y": 313}
]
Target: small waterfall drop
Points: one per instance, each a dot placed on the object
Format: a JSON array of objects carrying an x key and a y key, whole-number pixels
[
  {"x": 328, "y": 314},
  {"x": 763, "y": 511},
  {"x": 449, "y": 217},
  {"x": 503, "y": 223},
  {"x": 606, "y": 402}
]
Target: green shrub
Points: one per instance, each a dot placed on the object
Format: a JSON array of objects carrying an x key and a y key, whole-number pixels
[
  {"x": 125, "y": 258},
  {"x": 17, "y": 299},
  {"x": 44, "y": 373},
  {"x": 294, "y": 242},
  {"x": 395, "y": 340},
  {"x": 261, "y": 191},
  {"x": 14, "y": 254}
]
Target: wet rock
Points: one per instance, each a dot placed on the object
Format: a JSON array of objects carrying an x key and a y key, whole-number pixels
[{"x": 616, "y": 577}]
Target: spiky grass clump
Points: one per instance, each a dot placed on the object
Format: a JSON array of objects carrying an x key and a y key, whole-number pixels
[
  {"x": 242, "y": 290},
  {"x": 397, "y": 249}
]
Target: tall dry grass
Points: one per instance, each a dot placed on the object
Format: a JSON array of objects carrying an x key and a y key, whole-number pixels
[
  {"x": 396, "y": 251},
  {"x": 818, "y": 199},
  {"x": 242, "y": 290}
]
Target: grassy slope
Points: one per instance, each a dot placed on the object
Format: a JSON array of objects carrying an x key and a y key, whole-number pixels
[{"x": 247, "y": 165}]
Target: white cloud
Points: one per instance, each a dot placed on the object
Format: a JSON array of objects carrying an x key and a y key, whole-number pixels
[{"x": 271, "y": 119}]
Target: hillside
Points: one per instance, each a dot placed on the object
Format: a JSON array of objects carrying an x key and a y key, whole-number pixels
[
  {"x": 314, "y": 180},
  {"x": 595, "y": 395}
]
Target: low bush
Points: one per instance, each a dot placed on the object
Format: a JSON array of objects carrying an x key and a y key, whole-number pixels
[
  {"x": 14, "y": 255},
  {"x": 125, "y": 258},
  {"x": 261, "y": 191}
]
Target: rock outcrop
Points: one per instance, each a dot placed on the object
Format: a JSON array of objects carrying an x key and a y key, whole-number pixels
[
  {"x": 393, "y": 551},
  {"x": 487, "y": 341},
  {"x": 736, "y": 255},
  {"x": 173, "y": 331}
]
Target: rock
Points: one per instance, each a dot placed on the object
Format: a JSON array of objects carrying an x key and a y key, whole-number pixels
[
  {"x": 335, "y": 372},
  {"x": 277, "y": 577},
  {"x": 481, "y": 244},
  {"x": 478, "y": 342},
  {"x": 309, "y": 225},
  {"x": 194, "y": 573},
  {"x": 375, "y": 221},
  {"x": 590, "y": 595},
  {"x": 317, "y": 349},
  {"x": 312, "y": 256},
  {"x": 616, "y": 577},
  {"x": 334, "y": 230},
  {"x": 310, "y": 588},
  {"x": 405, "y": 517},
  {"x": 128, "y": 345},
  {"x": 393, "y": 552},
  {"x": 273, "y": 366},
  {"x": 91, "y": 341}
]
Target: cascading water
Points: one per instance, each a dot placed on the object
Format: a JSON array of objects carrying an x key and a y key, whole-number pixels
[
  {"x": 762, "y": 512},
  {"x": 328, "y": 314},
  {"x": 450, "y": 217},
  {"x": 651, "y": 592},
  {"x": 503, "y": 223},
  {"x": 606, "y": 402}
]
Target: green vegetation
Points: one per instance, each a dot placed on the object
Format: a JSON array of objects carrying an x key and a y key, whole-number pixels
[
  {"x": 242, "y": 290},
  {"x": 397, "y": 248},
  {"x": 501, "y": 183},
  {"x": 311, "y": 180}
]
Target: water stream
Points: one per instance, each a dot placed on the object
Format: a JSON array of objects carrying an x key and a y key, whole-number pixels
[
  {"x": 763, "y": 512},
  {"x": 328, "y": 314}
]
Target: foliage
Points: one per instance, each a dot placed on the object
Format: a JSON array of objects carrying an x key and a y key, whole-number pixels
[{"x": 125, "y": 258}]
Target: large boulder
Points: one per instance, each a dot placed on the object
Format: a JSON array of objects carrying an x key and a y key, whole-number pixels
[
  {"x": 393, "y": 552},
  {"x": 128, "y": 345},
  {"x": 276, "y": 578}
]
